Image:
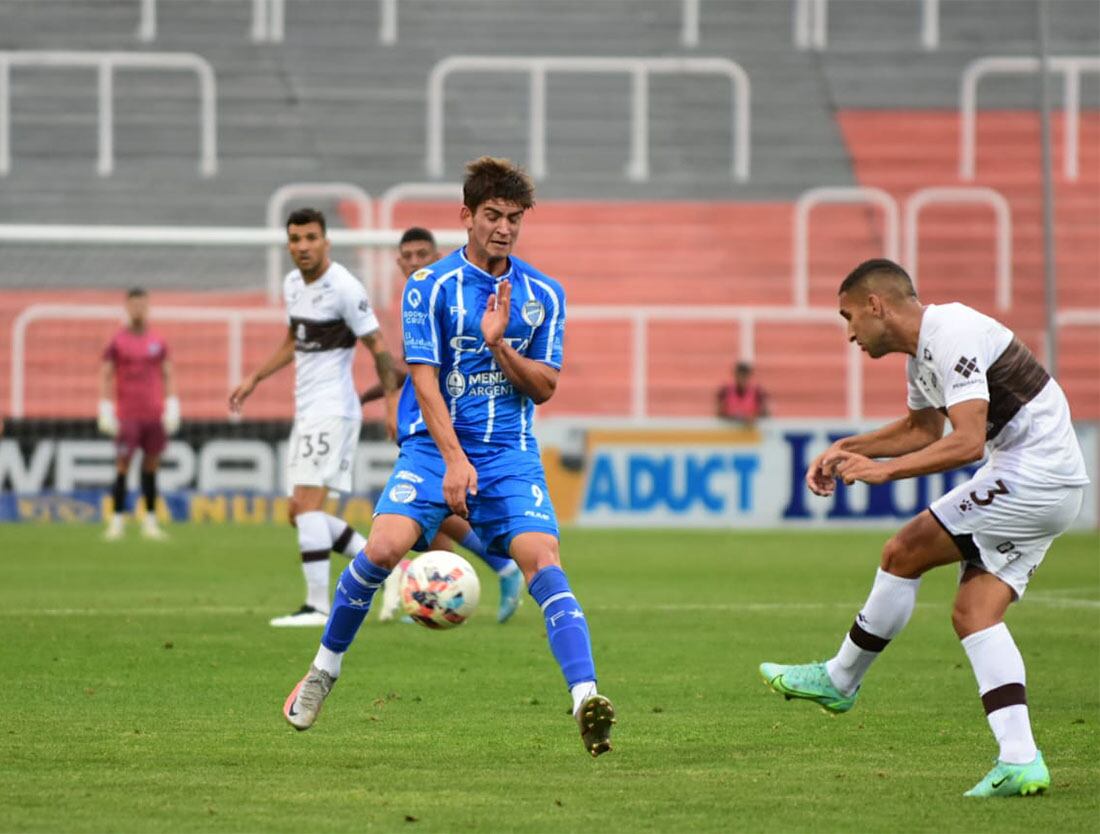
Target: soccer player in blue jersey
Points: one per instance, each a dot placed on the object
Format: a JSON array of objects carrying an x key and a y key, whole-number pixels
[
  {"x": 483, "y": 341},
  {"x": 415, "y": 250}
]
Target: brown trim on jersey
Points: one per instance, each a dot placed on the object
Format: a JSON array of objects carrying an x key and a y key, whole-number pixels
[
  {"x": 320, "y": 336},
  {"x": 963, "y": 541},
  {"x": 1014, "y": 379},
  {"x": 314, "y": 555},
  {"x": 1008, "y": 695},
  {"x": 866, "y": 640}
]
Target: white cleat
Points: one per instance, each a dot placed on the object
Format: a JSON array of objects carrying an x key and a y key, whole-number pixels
[
  {"x": 304, "y": 703},
  {"x": 151, "y": 530},
  {"x": 116, "y": 528},
  {"x": 307, "y": 615},
  {"x": 391, "y": 593}
]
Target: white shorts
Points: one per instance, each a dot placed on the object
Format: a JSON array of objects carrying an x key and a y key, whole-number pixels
[
  {"x": 321, "y": 451},
  {"x": 1005, "y": 526}
]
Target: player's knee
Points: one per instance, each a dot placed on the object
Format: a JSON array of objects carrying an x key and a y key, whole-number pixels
[
  {"x": 895, "y": 557},
  {"x": 385, "y": 550},
  {"x": 965, "y": 618}
]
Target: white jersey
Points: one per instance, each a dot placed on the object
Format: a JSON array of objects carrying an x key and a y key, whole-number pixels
[
  {"x": 965, "y": 355},
  {"x": 326, "y": 317}
]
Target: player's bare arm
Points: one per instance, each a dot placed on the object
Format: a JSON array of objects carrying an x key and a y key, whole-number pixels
[
  {"x": 376, "y": 391},
  {"x": 283, "y": 356},
  {"x": 460, "y": 478},
  {"x": 965, "y": 444},
  {"x": 388, "y": 377},
  {"x": 535, "y": 379},
  {"x": 918, "y": 429}
]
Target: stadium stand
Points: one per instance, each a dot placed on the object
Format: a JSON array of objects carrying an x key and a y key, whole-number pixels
[{"x": 332, "y": 104}]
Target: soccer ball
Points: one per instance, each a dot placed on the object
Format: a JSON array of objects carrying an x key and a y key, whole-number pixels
[{"x": 440, "y": 589}]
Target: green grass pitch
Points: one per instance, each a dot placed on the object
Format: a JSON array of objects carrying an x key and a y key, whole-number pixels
[{"x": 143, "y": 693}]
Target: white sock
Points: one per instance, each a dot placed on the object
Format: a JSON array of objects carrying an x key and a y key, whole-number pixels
[
  {"x": 328, "y": 661},
  {"x": 581, "y": 693},
  {"x": 315, "y": 542},
  {"x": 336, "y": 528},
  {"x": 999, "y": 669},
  {"x": 884, "y": 615}
]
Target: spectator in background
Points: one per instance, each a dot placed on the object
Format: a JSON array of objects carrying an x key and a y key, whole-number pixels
[{"x": 742, "y": 400}]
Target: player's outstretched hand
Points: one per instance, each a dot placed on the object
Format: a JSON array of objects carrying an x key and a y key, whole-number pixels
[
  {"x": 240, "y": 394},
  {"x": 498, "y": 308},
  {"x": 459, "y": 480},
  {"x": 850, "y": 467}
]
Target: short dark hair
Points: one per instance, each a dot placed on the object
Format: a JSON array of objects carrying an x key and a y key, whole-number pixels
[
  {"x": 743, "y": 367},
  {"x": 136, "y": 292},
  {"x": 303, "y": 216},
  {"x": 414, "y": 233},
  {"x": 859, "y": 277},
  {"x": 493, "y": 178}
]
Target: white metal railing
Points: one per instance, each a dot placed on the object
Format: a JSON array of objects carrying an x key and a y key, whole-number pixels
[
  {"x": 811, "y": 24},
  {"x": 916, "y": 202},
  {"x": 987, "y": 196},
  {"x": 746, "y": 318},
  {"x": 808, "y": 200},
  {"x": 1070, "y": 66},
  {"x": 267, "y": 21},
  {"x": 105, "y": 63},
  {"x": 276, "y": 205},
  {"x": 640, "y": 317},
  {"x": 233, "y": 318},
  {"x": 689, "y": 23},
  {"x": 392, "y": 196},
  {"x": 639, "y": 69}
]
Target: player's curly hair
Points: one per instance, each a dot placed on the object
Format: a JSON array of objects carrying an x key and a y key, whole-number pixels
[{"x": 493, "y": 178}]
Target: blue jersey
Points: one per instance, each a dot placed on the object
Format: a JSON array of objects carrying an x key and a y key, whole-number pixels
[{"x": 441, "y": 310}]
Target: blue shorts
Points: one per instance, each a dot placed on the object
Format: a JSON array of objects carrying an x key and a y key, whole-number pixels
[{"x": 512, "y": 497}]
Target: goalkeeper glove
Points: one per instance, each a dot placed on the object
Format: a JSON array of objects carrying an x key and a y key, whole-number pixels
[
  {"x": 107, "y": 422},
  {"x": 172, "y": 415}
]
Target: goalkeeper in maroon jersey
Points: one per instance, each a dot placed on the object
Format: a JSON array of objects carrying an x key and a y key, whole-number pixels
[{"x": 141, "y": 410}]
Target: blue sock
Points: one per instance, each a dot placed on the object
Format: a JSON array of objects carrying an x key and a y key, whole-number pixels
[
  {"x": 566, "y": 627},
  {"x": 474, "y": 545},
  {"x": 351, "y": 602}
]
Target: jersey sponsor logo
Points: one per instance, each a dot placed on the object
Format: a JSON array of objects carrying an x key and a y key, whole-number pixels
[
  {"x": 475, "y": 344},
  {"x": 402, "y": 493},
  {"x": 533, "y": 313},
  {"x": 415, "y": 316},
  {"x": 927, "y": 355},
  {"x": 413, "y": 341},
  {"x": 413, "y": 297},
  {"x": 421, "y": 274},
  {"x": 456, "y": 383}
]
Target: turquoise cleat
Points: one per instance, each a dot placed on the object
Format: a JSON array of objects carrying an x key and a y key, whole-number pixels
[
  {"x": 1014, "y": 779},
  {"x": 810, "y": 682},
  {"x": 511, "y": 586}
]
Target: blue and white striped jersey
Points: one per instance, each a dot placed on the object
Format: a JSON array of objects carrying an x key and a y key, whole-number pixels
[{"x": 441, "y": 311}]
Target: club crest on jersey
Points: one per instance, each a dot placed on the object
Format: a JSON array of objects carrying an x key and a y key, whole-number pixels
[
  {"x": 402, "y": 493},
  {"x": 413, "y": 297},
  {"x": 456, "y": 383},
  {"x": 421, "y": 274},
  {"x": 154, "y": 348},
  {"x": 533, "y": 313}
]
